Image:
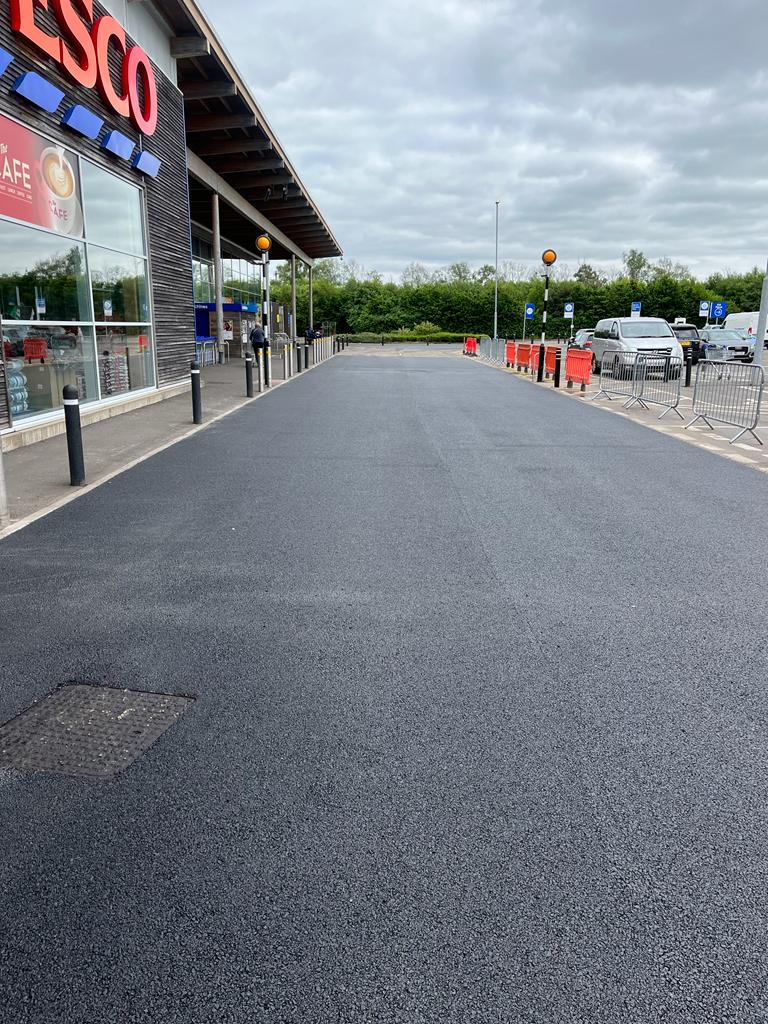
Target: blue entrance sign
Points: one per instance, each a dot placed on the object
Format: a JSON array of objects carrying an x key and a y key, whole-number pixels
[
  {"x": 530, "y": 309},
  {"x": 718, "y": 309},
  {"x": 636, "y": 307}
]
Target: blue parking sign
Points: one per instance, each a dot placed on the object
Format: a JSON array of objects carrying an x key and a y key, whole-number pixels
[
  {"x": 530, "y": 309},
  {"x": 636, "y": 307},
  {"x": 718, "y": 309}
]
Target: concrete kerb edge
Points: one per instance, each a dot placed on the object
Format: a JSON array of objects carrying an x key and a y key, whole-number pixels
[
  {"x": 691, "y": 439},
  {"x": 79, "y": 492}
]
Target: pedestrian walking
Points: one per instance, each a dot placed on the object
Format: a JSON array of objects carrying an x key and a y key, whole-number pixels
[{"x": 257, "y": 339}]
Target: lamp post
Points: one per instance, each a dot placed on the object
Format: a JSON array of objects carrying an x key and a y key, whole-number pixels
[
  {"x": 496, "y": 285},
  {"x": 264, "y": 244},
  {"x": 548, "y": 258},
  {"x": 762, "y": 320}
]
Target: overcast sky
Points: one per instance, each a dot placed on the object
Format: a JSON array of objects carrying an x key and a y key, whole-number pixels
[{"x": 599, "y": 124}]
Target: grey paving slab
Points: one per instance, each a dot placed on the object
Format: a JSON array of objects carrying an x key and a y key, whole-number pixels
[{"x": 477, "y": 734}]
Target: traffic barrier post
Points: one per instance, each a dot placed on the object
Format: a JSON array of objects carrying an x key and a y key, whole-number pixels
[
  {"x": 197, "y": 400},
  {"x": 728, "y": 393},
  {"x": 75, "y": 435},
  {"x": 249, "y": 376},
  {"x": 540, "y": 364}
]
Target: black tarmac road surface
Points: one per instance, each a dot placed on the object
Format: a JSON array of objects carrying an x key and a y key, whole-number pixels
[{"x": 480, "y": 731}]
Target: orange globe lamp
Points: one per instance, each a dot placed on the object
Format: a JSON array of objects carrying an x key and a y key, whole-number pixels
[
  {"x": 263, "y": 243},
  {"x": 548, "y": 257}
]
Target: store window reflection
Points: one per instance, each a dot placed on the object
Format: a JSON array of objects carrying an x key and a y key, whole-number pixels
[
  {"x": 119, "y": 286},
  {"x": 42, "y": 276},
  {"x": 41, "y": 360},
  {"x": 125, "y": 359}
]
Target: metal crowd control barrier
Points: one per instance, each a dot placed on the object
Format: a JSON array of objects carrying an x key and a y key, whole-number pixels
[
  {"x": 647, "y": 378},
  {"x": 617, "y": 375},
  {"x": 657, "y": 382},
  {"x": 728, "y": 393}
]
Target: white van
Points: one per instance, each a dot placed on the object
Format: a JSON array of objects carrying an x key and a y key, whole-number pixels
[
  {"x": 633, "y": 334},
  {"x": 744, "y": 322}
]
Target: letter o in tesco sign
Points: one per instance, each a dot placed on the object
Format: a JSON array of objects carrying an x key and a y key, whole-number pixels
[{"x": 83, "y": 51}]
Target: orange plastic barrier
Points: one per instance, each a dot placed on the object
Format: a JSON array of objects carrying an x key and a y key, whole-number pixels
[
  {"x": 533, "y": 361},
  {"x": 523, "y": 355},
  {"x": 578, "y": 367},
  {"x": 549, "y": 359},
  {"x": 509, "y": 355},
  {"x": 470, "y": 347}
]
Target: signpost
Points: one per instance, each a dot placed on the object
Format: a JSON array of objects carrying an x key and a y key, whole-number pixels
[
  {"x": 530, "y": 309},
  {"x": 568, "y": 314},
  {"x": 548, "y": 258},
  {"x": 636, "y": 307},
  {"x": 704, "y": 310}
]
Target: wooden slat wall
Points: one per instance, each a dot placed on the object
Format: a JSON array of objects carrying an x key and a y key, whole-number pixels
[{"x": 167, "y": 198}]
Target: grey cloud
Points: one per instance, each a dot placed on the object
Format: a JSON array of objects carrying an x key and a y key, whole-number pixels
[{"x": 599, "y": 125}]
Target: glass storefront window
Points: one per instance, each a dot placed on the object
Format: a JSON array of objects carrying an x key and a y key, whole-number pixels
[
  {"x": 41, "y": 360},
  {"x": 125, "y": 359},
  {"x": 42, "y": 276},
  {"x": 119, "y": 286},
  {"x": 112, "y": 210}
]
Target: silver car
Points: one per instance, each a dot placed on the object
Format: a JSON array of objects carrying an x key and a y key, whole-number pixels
[
  {"x": 633, "y": 334},
  {"x": 726, "y": 345}
]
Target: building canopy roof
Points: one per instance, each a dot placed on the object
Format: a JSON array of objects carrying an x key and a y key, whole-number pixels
[{"x": 228, "y": 132}]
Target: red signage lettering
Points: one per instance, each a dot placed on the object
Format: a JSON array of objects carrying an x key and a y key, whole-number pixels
[{"x": 83, "y": 51}]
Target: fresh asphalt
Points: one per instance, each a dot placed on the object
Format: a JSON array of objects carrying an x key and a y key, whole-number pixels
[{"x": 480, "y": 729}]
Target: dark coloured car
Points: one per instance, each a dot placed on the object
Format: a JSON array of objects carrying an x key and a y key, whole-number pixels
[{"x": 688, "y": 336}]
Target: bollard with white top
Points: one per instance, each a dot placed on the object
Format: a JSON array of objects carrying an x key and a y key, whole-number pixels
[{"x": 74, "y": 430}]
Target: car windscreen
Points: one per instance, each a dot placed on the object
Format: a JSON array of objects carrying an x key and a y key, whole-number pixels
[
  {"x": 685, "y": 332},
  {"x": 646, "y": 330},
  {"x": 722, "y": 337}
]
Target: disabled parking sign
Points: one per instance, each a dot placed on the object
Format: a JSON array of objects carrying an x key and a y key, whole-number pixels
[
  {"x": 569, "y": 309},
  {"x": 704, "y": 309}
]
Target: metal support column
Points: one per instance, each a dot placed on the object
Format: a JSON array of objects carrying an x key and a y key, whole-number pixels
[
  {"x": 311, "y": 302},
  {"x": 217, "y": 274},
  {"x": 294, "y": 335}
]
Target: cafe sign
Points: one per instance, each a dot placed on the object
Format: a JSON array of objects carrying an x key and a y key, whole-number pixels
[{"x": 83, "y": 48}]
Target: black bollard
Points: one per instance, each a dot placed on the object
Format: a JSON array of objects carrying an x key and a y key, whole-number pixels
[
  {"x": 540, "y": 371},
  {"x": 688, "y": 366},
  {"x": 74, "y": 436},
  {"x": 267, "y": 366},
  {"x": 197, "y": 402},
  {"x": 558, "y": 354},
  {"x": 249, "y": 376}
]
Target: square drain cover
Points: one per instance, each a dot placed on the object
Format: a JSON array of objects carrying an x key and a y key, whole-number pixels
[{"x": 88, "y": 731}]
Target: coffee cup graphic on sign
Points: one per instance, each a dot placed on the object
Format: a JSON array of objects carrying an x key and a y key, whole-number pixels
[{"x": 59, "y": 184}]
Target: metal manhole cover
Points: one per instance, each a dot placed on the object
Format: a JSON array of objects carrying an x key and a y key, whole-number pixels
[{"x": 88, "y": 731}]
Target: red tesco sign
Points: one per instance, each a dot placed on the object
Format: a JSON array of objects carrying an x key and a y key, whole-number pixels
[{"x": 83, "y": 51}]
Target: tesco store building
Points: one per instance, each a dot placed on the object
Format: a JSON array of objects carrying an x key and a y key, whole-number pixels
[{"x": 128, "y": 142}]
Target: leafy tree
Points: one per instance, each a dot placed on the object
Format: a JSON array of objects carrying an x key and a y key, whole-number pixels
[
  {"x": 587, "y": 275},
  {"x": 636, "y": 265}
]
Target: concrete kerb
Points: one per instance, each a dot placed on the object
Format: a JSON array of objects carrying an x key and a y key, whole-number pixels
[
  {"x": 79, "y": 492},
  {"x": 669, "y": 429}
]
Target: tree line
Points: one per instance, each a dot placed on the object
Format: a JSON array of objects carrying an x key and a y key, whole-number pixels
[{"x": 459, "y": 300}]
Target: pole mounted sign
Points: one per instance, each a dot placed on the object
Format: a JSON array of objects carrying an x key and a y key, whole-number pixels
[
  {"x": 636, "y": 307},
  {"x": 530, "y": 309},
  {"x": 83, "y": 50},
  {"x": 704, "y": 309},
  {"x": 569, "y": 311},
  {"x": 719, "y": 309}
]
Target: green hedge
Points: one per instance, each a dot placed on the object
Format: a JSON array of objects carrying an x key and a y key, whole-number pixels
[{"x": 442, "y": 337}]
